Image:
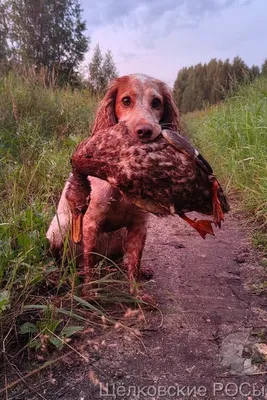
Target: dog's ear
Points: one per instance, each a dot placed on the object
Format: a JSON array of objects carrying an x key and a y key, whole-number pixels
[
  {"x": 171, "y": 114},
  {"x": 105, "y": 115}
]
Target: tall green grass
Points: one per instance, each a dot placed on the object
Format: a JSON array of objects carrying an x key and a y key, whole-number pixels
[
  {"x": 233, "y": 136},
  {"x": 39, "y": 128}
]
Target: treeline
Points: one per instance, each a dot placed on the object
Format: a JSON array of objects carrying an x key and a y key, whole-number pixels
[
  {"x": 47, "y": 39},
  {"x": 201, "y": 85}
]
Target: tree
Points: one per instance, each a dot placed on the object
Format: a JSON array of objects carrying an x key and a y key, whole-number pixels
[
  {"x": 48, "y": 33},
  {"x": 264, "y": 68},
  {"x": 101, "y": 70},
  {"x": 240, "y": 70},
  {"x": 179, "y": 86},
  {"x": 95, "y": 70},
  {"x": 211, "y": 79},
  {"x": 3, "y": 32},
  {"x": 220, "y": 82},
  {"x": 199, "y": 86},
  {"x": 254, "y": 72},
  {"x": 224, "y": 78},
  {"x": 188, "y": 100},
  {"x": 109, "y": 70}
]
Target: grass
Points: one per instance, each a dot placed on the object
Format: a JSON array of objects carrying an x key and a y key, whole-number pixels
[
  {"x": 39, "y": 128},
  {"x": 233, "y": 137}
]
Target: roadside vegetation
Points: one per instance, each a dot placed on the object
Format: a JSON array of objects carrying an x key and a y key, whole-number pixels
[
  {"x": 233, "y": 137},
  {"x": 39, "y": 127}
]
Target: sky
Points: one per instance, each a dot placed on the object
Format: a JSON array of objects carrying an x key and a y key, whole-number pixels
[{"x": 159, "y": 37}]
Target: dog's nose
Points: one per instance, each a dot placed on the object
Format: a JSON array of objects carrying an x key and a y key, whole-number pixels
[{"x": 144, "y": 132}]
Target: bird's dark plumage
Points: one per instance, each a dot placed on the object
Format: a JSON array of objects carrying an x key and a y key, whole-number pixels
[
  {"x": 182, "y": 145},
  {"x": 166, "y": 176}
]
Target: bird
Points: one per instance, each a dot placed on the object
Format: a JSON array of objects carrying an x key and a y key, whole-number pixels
[{"x": 166, "y": 176}]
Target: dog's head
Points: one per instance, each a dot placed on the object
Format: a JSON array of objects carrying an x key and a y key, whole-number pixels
[{"x": 145, "y": 105}]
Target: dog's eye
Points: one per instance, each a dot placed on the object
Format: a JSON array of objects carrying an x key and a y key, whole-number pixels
[
  {"x": 126, "y": 101},
  {"x": 156, "y": 103}
]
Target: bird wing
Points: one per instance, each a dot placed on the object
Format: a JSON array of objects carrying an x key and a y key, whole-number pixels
[{"x": 181, "y": 144}]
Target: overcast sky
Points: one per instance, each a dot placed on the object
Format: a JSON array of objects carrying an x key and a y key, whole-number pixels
[{"x": 158, "y": 37}]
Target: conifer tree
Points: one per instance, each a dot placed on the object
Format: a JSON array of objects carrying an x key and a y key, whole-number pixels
[
  {"x": 101, "y": 70},
  {"x": 95, "y": 70},
  {"x": 3, "y": 32},
  {"x": 109, "y": 70},
  {"x": 264, "y": 68}
]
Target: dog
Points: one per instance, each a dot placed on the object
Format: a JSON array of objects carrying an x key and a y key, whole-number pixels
[{"x": 113, "y": 225}]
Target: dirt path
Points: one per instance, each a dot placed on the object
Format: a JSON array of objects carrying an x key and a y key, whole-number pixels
[{"x": 204, "y": 344}]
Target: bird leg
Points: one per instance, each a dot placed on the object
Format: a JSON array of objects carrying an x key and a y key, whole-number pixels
[
  {"x": 217, "y": 209},
  {"x": 78, "y": 197},
  {"x": 202, "y": 226},
  {"x": 76, "y": 228}
]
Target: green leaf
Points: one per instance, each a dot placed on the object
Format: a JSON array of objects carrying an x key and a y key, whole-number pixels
[
  {"x": 70, "y": 330},
  {"x": 34, "y": 344},
  {"x": 4, "y": 300},
  {"x": 28, "y": 327},
  {"x": 85, "y": 304},
  {"x": 56, "y": 342},
  {"x": 48, "y": 326}
]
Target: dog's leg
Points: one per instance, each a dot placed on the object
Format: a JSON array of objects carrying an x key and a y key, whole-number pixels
[{"x": 135, "y": 242}]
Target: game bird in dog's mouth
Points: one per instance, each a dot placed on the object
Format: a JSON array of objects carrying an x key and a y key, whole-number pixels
[{"x": 165, "y": 176}]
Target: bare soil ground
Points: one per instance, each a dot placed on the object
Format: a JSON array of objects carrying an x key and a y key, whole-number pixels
[{"x": 203, "y": 346}]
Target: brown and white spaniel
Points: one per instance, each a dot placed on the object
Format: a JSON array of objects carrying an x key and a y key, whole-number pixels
[{"x": 111, "y": 224}]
